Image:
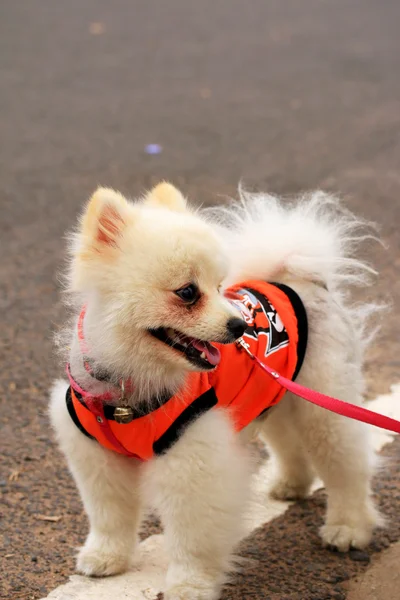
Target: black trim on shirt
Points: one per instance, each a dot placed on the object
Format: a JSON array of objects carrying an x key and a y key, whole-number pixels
[
  {"x": 301, "y": 316},
  {"x": 302, "y": 328},
  {"x": 302, "y": 324},
  {"x": 194, "y": 410},
  {"x": 72, "y": 412}
]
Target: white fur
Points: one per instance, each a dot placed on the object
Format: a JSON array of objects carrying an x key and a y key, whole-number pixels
[{"x": 199, "y": 486}]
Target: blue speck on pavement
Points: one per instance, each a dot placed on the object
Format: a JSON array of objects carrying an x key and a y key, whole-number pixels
[{"x": 153, "y": 149}]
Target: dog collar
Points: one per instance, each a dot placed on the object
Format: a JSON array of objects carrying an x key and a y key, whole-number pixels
[{"x": 123, "y": 413}]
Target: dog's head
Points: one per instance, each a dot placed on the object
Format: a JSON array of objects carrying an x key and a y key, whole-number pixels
[{"x": 156, "y": 269}]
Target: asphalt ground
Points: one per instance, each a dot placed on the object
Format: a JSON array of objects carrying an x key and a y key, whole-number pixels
[{"x": 285, "y": 96}]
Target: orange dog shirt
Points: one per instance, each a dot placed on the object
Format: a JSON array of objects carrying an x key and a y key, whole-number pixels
[{"x": 276, "y": 333}]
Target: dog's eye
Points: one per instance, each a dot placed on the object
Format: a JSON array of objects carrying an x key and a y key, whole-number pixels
[{"x": 189, "y": 293}]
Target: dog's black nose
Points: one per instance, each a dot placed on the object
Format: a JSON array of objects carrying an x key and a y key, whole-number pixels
[{"x": 236, "y": 327}]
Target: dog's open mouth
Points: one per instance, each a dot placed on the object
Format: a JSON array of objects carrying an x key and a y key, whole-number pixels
[{"x": 199, "y": 353}]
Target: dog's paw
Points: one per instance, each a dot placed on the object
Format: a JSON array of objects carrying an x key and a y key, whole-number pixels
[
  {"x": 98, "y": 563},
  {"x": 283, "y": 489},
  {"x": 191, "y": 591},
  {"x": 343, "y": 537},
  {"x": 354, "y": 529}
]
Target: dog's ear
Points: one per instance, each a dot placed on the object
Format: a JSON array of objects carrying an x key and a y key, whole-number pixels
[
  {"x": 166, "y": 195},
  {"x": 98, "y": 240},
  {"x": 104, "y": 219}
]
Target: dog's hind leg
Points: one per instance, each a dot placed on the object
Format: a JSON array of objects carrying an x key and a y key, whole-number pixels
[
  {"x": 341, "y": 454},
  {"x": 108, "y": 485},
  {"x": 200, "y": 488},
  {"x": 293, "y": 472}
]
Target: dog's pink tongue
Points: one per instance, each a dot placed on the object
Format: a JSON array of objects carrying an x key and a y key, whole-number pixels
[{"x": 212, "y": 354}]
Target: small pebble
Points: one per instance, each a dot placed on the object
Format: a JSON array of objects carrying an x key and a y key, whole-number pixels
[
  {"x": 359, "y": 556},
  {"x": 96, "y": 28},
  {"x": 337, "y": 577},
  {"x": 313, "y": 567}
]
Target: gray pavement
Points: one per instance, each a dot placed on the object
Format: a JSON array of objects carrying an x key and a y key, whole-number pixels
[{"x": 286, "y": 95}]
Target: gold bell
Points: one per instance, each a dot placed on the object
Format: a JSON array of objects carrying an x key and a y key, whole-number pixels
[{"x": 123, "y": 414}]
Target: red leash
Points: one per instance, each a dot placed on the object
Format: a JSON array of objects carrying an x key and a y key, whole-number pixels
[{"x": 328, "y": 402}]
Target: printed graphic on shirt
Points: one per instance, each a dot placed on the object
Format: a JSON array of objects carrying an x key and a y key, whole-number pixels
[{"x": 264, "y": 323}]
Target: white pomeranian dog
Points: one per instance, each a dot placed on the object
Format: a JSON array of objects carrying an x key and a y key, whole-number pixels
[{"x": 161, "y": 402}]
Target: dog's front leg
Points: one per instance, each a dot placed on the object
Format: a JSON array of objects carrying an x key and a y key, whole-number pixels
[
  {"x": 200, "y": 488},
  {"x": 109, "y": 487}
]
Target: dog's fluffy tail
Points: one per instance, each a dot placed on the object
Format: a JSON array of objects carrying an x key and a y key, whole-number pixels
[{"x": 312, "y": 238}]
